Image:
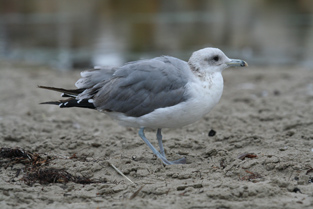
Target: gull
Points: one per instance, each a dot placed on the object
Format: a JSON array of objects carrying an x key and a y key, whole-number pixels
[{"x": 163, "y": 92}]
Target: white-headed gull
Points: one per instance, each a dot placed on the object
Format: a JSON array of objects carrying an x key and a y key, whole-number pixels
[{"x": 163, "y": 92}]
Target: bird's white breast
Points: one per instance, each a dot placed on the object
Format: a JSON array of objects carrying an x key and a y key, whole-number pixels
[{"x": 204, "y": 93}]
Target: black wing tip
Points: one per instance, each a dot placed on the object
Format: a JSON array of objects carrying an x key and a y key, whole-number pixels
[
  {"x": 45, "y": 87},
  {"x": 72, "y": 103},
  {"x": 51, "y": 102},
  {"x": 65, "y": 92}
]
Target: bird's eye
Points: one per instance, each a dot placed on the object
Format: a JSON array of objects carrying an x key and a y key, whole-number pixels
[{"x": 216, "y": 58}]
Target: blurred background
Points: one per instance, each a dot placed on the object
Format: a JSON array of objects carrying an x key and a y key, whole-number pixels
[{"x": 69, "y": 34}]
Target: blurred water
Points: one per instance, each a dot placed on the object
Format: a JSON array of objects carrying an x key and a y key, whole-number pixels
[{"x": 79, "y": 34}]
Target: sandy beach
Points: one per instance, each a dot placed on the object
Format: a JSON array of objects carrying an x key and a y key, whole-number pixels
[{"x": 260, "y": 156}]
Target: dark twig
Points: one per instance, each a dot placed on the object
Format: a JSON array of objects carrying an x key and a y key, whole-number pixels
[{"x": 136, "y": 193}]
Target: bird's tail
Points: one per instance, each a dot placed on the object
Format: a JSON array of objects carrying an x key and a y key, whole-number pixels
[
  {"x": 65, "y": 92},
  {"x": 71, "y": 101}
]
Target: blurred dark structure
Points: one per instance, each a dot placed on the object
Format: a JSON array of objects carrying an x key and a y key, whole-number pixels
[{"x": 79, "y": 33}]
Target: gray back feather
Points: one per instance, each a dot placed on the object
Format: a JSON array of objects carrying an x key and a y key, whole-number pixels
[{"x": 140, "y": 87}]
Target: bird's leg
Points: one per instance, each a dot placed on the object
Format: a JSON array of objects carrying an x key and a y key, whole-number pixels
[
  {"x": 159, "y": 137},
  {"x": 157, "y": 153}
]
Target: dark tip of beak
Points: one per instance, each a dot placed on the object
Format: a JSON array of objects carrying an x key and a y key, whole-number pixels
[
  {"x": 237, "y": 63},
  {"x": 244, "y": 64}
]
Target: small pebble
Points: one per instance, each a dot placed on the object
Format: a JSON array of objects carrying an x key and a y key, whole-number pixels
[
  {"x": 283, "y": 148},
  {"x": 211, "y": 133},
  {"x": 295, "y": 190},
  {"x": 276, "y": 92}
]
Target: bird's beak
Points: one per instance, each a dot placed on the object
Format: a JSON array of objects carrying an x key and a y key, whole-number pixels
[{"x": 237, "y": 63}]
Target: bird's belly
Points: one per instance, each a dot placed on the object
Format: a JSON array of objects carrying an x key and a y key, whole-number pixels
[{"x": 204, "y": 97}]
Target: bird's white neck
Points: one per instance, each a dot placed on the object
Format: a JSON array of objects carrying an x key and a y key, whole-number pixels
[{"x": 207, "y": 90}]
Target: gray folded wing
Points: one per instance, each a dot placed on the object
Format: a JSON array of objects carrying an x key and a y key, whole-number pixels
[{"x": 140, "y": 87}]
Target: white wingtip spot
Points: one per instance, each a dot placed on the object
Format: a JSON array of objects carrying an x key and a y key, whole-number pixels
[
  {"x": 79, "y": 101},
  {"x": 80, "y": 83},
  {"x": 97, "y": 67},
  {"x": 90, "y": 100},
  {"x": 65, "y": 103},
  {"x": 62, "y": 94},
  {"x": 60, "y": 105},
  {"x": 84, "y": 73}
]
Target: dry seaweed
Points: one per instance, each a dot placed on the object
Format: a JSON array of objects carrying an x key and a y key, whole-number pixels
[
  {"x": 36, "y": 169},
  {"x": 247, "y": 155},
  {"x": 55, "y": 175},
  {"x": 6, "y": 152},
  {"x": 19, "y": 155}
]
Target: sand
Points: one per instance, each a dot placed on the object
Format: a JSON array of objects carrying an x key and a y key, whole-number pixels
[{"x": 267, "y": 112}]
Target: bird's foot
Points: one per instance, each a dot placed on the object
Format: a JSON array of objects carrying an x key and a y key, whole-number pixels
[
  {"x": 175, "y": 162},
  {"x": 179, "y": 161},
  {"x": 160, "y": 154}
]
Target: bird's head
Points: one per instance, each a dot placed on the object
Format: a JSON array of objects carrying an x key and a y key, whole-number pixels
[{"x": 212, "y": 60}]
